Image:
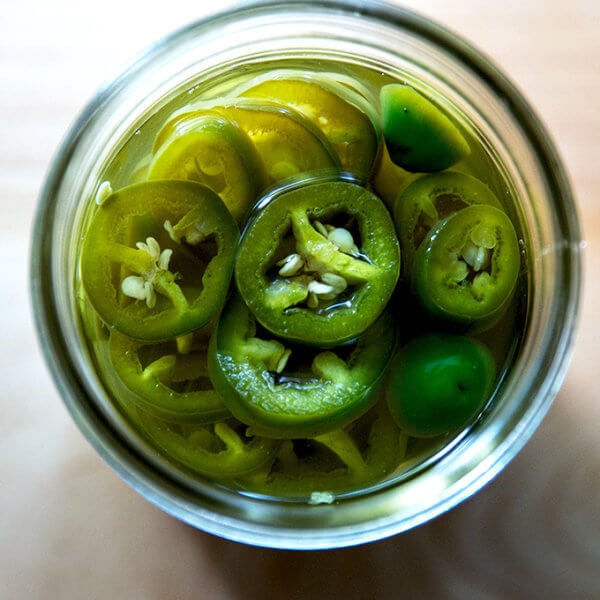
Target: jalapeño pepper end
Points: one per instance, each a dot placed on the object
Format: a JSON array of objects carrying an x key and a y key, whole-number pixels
[
  {"x": 439, "y": 383},
  {"x": 418, "y": 135}
]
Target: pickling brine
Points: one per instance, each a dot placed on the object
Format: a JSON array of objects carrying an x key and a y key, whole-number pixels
[{"x": 302, "y": 279}]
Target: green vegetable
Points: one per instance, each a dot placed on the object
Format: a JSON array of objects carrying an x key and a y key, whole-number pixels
[
  {"x": 360, "y": 454},
  {"x": 166, "y": 380},
  {"x": 319, "y": 262},
  {"x": 428, "y": 200},
  {"x": 287, "y": 392},
  {"x": 220, "y": 450},
  {"x": 342, "y": 114},
  {"x": 286, "y": 141},
  {"x": 439, "y": 383},
  {"x": 418, "y": 135},
  {"x": 467, "y": 267},
  {"x": 157, "y": 258},
  {"x": 217, "y": 153}
]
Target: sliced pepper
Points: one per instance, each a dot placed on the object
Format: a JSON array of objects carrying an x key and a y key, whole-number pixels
[
  {"x": 217, "y": 153},
  {"x": 321, "y": 467},
  {"x": 288, "y": 392},
  {"x": 466, "y": 269},
  {"x": 166, "y": 380},
  {"x": 346, "y": 119},
  {"x": 286, "y": 141},
  {"x": 318, "y": 263},
  {"x": 429, "y": 199},
  {"x": 157, "y": 259},
  {"x": 220, "y": 450}
]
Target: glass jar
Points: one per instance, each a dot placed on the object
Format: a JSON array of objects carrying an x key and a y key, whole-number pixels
[{"x": 378, "y": 36}]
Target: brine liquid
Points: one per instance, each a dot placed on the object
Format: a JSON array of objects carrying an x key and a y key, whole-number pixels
[{"x": 303, "y": 469}]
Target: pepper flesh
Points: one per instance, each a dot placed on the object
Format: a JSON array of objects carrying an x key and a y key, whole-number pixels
[
  {"x": 293, "y": 223},
  {"x": 418, "y": 135},
  {"x": 346, "y": 119},
  {"x": 165, "y": 382},
  {"x": 283, "y": 402},
  {"x": 438, "y": 383},
  {"x": 467, "y": 267},
  {"x": 362, "y": 453},
  {"x": 216, "y": 450},
  {"x": 217, "y": 153},
  {"x": 146, "y": 293},
  {"x": 287, "y": 142},
  {"x": 429, "y": 199}
]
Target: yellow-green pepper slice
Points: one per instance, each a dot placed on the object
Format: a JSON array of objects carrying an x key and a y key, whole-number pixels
[
  {"x": 347, "y": 120},
  {"x": 218, "y": 154},
  {"x": 286, "y": 141},
  {"x": 167, "y": 380},
  {"x": 317, "y": 469},
  {"x": 221, "y": 450}
]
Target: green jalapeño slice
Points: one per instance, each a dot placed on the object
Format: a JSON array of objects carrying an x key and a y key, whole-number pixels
[
  {"x": 156, "y": 260},
  {"x": 286, "y": 391},
  {"x": 359, "y": 454},
  {"x": 167, "y": 379},
  {"x": 428, "y": 200},
  {"x": 466, "y": 269},
  {"x": 319, "y": 262},
  {"x": 220, "y": 450}
]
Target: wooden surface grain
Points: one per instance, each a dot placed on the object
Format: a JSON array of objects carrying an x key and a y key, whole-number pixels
[{"x": 70, "y": 528}]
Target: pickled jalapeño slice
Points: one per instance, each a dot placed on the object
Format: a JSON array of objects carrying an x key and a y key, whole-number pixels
[
  {"x": 157, "y": 258},
  {"x": 346, "y": 119},
  {"x": 287, "y": 142},
  {"x": 318, "y": 264},
  {"x": 218, "y": 154},
  {"x": 467, "y": 267},
  {"x": 282, "y": 392}
]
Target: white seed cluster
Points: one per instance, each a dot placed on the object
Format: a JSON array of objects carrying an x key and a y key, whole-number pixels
[
  {"x": 339, "y": 237},
  {"x": 321, "y": 284},
  {"x": 476, "y": 255},
  {"x": 141, "y": 287}
]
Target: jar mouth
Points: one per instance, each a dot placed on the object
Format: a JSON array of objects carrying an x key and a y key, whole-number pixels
[{"x": 460, "y": 468}]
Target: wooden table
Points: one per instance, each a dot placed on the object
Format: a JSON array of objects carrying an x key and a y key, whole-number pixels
[{"x": 72, "y": 529}]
